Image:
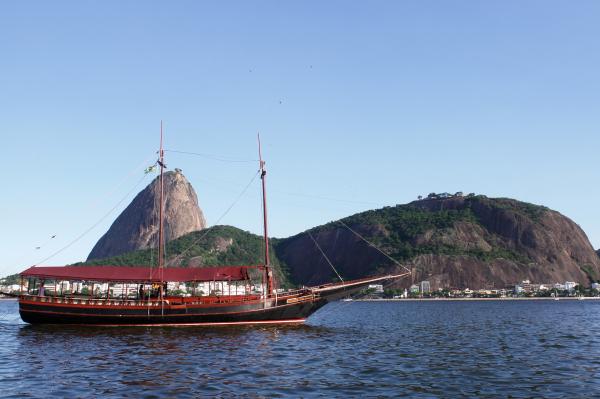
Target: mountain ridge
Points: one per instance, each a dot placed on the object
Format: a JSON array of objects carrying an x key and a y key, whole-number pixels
[{"x": 451, "y": 241}]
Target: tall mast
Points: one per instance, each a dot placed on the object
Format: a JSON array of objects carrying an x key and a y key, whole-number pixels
[
  {"x": 161, "y": 163},
  {"x": 263, "y": 173}
]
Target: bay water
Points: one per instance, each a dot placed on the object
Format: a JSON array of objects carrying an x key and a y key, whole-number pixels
[{"x": 520, "y": 349}]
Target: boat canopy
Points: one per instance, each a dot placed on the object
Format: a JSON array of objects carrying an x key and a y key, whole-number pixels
[{"x": 139, "y": 274}]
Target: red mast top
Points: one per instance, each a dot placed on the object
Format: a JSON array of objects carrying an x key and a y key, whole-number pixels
[{"x": 263, "y": 173}]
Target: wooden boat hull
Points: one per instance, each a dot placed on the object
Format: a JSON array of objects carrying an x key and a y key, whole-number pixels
[
  {"x": 286, "y": 308},
  {"x": 38, "y": 313}
]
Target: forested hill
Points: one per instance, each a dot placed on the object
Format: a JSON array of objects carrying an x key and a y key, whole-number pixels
[
  {"x": 214, "y": 246},
  {"x": 452, "y": 241}
]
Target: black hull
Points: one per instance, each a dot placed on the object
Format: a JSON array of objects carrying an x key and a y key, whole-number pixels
[{"x": 288, "y": 313}]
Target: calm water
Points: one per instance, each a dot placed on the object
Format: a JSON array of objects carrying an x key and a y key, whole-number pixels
[{"x": 366, "y": 349}]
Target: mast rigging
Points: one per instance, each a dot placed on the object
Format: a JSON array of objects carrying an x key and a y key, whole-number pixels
[
  {"x": 268, "y": 271},
  {"x": 161, "y": 163}
]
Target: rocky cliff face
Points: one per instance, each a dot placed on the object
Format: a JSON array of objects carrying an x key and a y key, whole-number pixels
[
  {"x": 137, "y": 226},
  {"x": 462, "y": 242}
]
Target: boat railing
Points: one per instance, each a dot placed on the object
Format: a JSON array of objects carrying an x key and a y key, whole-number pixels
[
  {"x": 289, "y": 293},
  {"x": 139, "y": 302}
]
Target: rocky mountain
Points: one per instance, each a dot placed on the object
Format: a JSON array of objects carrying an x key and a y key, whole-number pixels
[
  {"x": 137, "y": 228},
  {"x": 453, "y": 241}
]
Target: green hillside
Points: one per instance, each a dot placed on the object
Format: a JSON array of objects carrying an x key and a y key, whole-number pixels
[
  {"x": 214, "y": 246},
  {"x": 405, "y": 225},
  {"x": 450, "y": 240}
]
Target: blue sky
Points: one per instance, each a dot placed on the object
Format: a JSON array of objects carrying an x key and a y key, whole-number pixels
[{"x": 359, "y": 104}]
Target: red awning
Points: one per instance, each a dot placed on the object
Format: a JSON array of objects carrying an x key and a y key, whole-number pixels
[{"x": 138, "y": 274}]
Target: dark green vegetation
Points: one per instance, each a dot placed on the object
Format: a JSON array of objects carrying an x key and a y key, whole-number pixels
[
  {"x": 590, "y": 271},
  {"x": 534, "y": 212},
  {"x": 451, "y": 240},
  {"x": 214, "y": 246},
  {"x": 10, "y": 280},
  {"x": 404, "y": 225}
]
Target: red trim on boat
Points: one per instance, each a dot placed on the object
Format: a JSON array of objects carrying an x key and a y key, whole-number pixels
[{"x": 52, "y": 312}]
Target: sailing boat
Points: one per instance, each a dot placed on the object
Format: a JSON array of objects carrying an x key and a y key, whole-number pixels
[{"x": 85, "y": 295}]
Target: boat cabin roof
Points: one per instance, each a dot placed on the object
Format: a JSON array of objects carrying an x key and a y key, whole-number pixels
[{"x": 139, "y": 274}]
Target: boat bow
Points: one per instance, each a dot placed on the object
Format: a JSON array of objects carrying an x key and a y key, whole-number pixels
[{"x": 332, "y": 292}]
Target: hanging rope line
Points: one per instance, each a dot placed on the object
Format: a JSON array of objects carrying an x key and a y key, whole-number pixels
[
  {"x": 28, "y": 253},
  {"x": 214, "y": 157},
  {"x": 92, "y": 205},
  {"x": 239, "y": 197},
  {"x": 153, "y": 222},
  {"x": 46, "y": 242},
  {"x": 229, "y": 186},
  {"x": 95, "y": 224},
  {"x": 324, "y": 255},
  {"x": 129, "y": 174},
  {"x": 375, "y": 246}
]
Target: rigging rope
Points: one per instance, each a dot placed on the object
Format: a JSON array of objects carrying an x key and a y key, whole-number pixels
[
  {"x": 375, "y": 246},
  {"x": 131, "y": 173},
  {"x": 218, "y": 220},
  {"x": 214, "y": 157},
  {"x": 230, "y": 186},
  {"x": 93, "y": 204},
  {"x": 37, "y": 248},
  {"x": 153, "y": 222},
  {"x": 95, "y": 224},
  {"x": 325, "y": 256}
]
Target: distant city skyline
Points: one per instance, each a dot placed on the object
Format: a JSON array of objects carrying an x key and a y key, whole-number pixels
[{"x": 359, "y": 106}]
